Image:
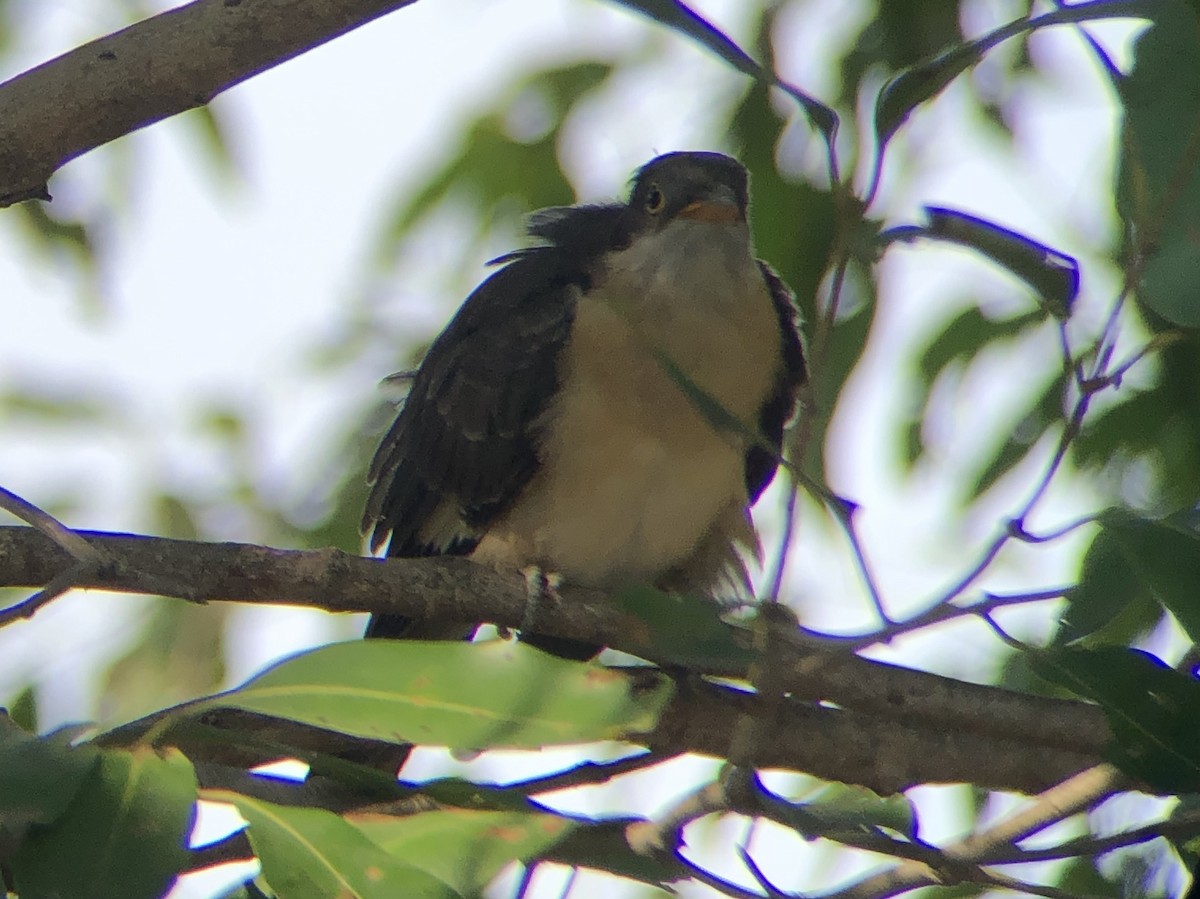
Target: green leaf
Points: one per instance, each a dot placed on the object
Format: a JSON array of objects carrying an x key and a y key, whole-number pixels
[
  {"x": 71, "y": 235},
  {"x": 45, "y": 405},
  {"x": 1154, "y": 432},
  {"x": 927, "y": 79},
  {"x": 1187, "y": 845},
  {"x": 1153, "y": 710},
  {"x": 1081, "y": 878},
  {"x": 211, "y": 126},
  {"x": 39, "y": 777},
  {"x": 1133, "y": 557},
  {"x": 683, "y": 629},
  {"x": 472, "y": 695},
  {"x": 964, "y": 337},
  {"x": 493, "y": 166},
  {"x": 1109, "y": 604},
  {"x": 1169, "y": 285},
  {"x": 1160, "y": 165},
  {"x": 1122, "y": 428},
  {"x": 1053, "y": 275},
  {"x": 309, "y": 853},
  {"x": 916, "y": 85},
  {"x": 23, "y": 710},
  {"x": 902, "y": 33},
  {"x": 124, "y": 835},
  {"x": 681, "y": 18},
  {"x": 464, "y": 848}
]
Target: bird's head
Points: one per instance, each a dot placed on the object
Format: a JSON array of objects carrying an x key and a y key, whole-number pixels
[
  {"x": 687, "y": 234},
  {"x": 685, "y": 222},
  {"x": 689, "y": 187}
]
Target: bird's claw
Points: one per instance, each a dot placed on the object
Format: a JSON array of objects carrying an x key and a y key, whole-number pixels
[{"x": 540, "y": 586}]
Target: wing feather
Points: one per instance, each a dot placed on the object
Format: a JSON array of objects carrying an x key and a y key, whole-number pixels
[
  {"x": 778, "y": 409},
  {"x": 467, "y": 433}
]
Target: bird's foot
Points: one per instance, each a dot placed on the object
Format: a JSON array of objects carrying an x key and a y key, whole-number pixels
[
  {"x": 540, "y": 586},
  {"x": 541, "y": 589}
]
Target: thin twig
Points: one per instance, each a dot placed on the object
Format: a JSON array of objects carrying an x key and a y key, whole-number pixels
[
  {"x": 569, "y": 884},
  {"x": 775, "y": 579},
  {"x": 944, "y": 612},
  {"x": 756, "y": 801},
  {"x": 1072, "y": 796},
  {"x": 1025, "y": 888},
  {"x": 589, "y": 773},
  {"x": 1184, "y": 826},
  {"x": 756, "y": 872},
  {"x": 843, "y": 510},
  {"x": 60, "y": 584},
  {"x": 1015, "y": 526},
  {"x": 1158, "y": 342},
  {"x": 1106, "y": 345},
  {"x": 88, "y": 558},
  {"x": 1057, "y": 533},
  {"x": 526, "y": 880},
  {"x": 1005, "y": 637},
  {"x": 709, "y": 879},
  {"x": 21, "y": 508},
  {"x": 664, "y": 834}
]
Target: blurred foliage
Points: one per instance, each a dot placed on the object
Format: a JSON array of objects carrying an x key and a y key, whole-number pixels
[
  {"x": 1134, "y": 570},
  {"x": 309, "y": 853},
  {"x": 73, "y": 240},
  {"x": 497, "y": 166},
  {"x": 114, "y": 823},
  {"x": 1159, "y": 192},
  {"x": 465, "y": 848},
  {"x": 1153, "y": 710},
  {"x": 1138, "y": 450}
]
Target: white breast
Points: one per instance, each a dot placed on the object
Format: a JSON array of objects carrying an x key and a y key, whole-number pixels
[{"x": 634, "y": 478}]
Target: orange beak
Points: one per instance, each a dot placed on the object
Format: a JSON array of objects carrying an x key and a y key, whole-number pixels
[{"x": 710, "y": 211}]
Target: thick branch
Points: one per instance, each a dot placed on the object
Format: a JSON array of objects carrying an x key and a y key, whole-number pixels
[
  {"x": 835, "y": 744},
  {"x": 891, "y": 705},
  {"x": 840, "y": 744},
  {"x": 164, "y": 65}
]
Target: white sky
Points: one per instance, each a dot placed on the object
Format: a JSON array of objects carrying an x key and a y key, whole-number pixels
[{"x": 215, "y": 294}]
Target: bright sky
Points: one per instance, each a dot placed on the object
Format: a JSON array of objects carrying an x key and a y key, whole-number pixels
[{"x": 215, "y": 294}]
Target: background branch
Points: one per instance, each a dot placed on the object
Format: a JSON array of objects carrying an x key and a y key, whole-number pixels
[
  {"x": 162, "y": 66},
  {"x": 1077, "y": 794}
]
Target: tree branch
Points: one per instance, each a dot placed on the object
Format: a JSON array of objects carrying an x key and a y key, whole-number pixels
[
  {"x": 1058, "y": 803},
  {"x": 893, "y": 726},
  {"x": 162, "y": 66}
]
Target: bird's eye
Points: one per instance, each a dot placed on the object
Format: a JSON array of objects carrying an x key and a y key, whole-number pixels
[{"x": 655, "y": 200}]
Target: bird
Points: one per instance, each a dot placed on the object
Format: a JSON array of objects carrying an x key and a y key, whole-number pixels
[{"x": 563, "y": 423}]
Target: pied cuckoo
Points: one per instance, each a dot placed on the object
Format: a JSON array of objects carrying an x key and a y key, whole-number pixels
[{"x": 555, "y": 425}]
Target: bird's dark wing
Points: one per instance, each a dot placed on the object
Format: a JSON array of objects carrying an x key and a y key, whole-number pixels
[
  {"x": 465, "y": 441},
  {"x": 777, "y": 410}
]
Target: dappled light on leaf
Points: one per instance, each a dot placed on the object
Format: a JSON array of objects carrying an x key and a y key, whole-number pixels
[
  {"x": 315, "y": 854},
  {"x": 123, "y": 834},
  {"x": 497, "y": 693}
]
